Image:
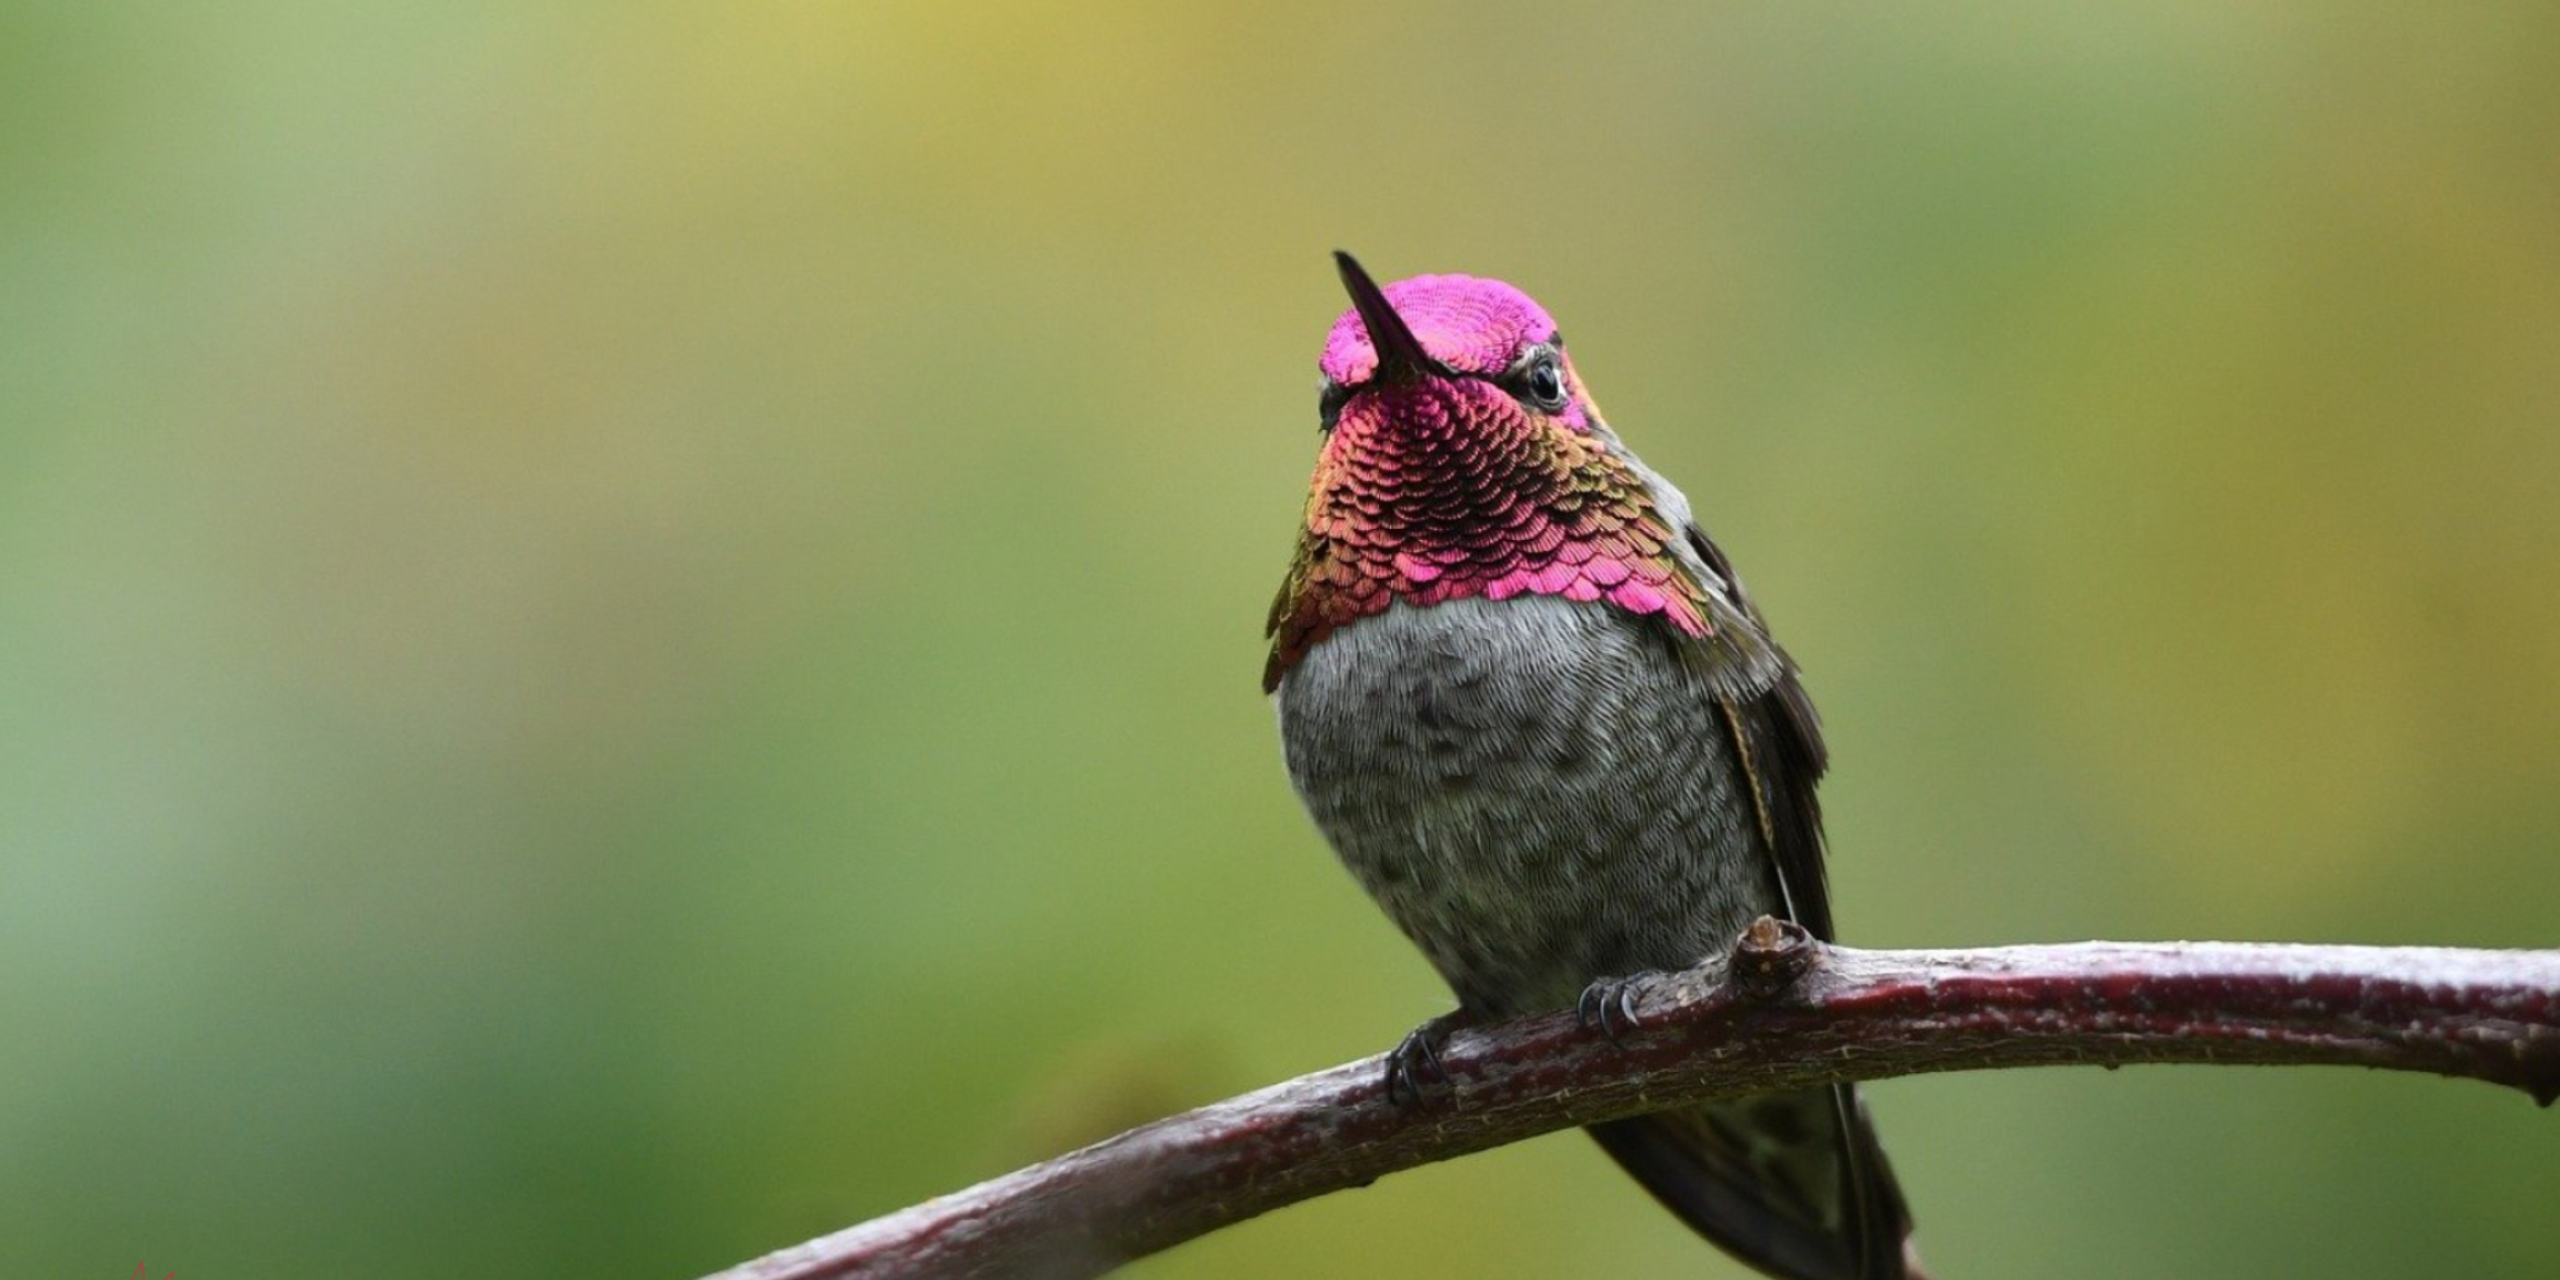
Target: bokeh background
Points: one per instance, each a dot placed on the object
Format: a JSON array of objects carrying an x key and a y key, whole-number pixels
[{"x": 629, "y": 632}]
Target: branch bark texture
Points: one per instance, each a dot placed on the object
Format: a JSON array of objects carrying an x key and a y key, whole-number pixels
[{"x": 1781, "y": 1012}]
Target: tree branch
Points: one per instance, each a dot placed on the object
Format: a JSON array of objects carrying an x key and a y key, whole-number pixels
[{"x": 1781, "y": 1012}]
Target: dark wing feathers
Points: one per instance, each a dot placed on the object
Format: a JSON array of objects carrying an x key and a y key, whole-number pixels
[
  {"x": 1823, "y": 1206},
  {"x": 1776, "y": 734},
  {"x": 1786, "y": 757},
  {"x": 1697, "y": 1175}
]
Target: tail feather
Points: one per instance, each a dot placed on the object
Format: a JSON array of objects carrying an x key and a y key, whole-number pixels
[{"x": 1795, "y": 1185}]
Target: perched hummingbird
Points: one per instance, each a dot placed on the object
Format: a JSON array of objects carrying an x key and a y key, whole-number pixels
[{"x": 1535, "y": 713}]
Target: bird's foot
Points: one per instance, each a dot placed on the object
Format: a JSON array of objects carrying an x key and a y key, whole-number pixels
[
  {"x": 1610, "y": 1003},
  {"x": 1414, "y": 1065}
]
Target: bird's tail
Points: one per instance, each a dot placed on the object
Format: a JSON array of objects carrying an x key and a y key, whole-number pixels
[{"x": 1794, "y": 1184}]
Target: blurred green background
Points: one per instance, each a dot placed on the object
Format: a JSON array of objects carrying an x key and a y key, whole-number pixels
[{"x": 629, "y": 632}]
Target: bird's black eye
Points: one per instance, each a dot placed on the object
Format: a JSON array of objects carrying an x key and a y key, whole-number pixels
[{"x": 1543, "y": 382}]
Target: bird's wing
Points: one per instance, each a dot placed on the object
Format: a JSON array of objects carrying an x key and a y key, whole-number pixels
[{"x": 1774, "y": 731}]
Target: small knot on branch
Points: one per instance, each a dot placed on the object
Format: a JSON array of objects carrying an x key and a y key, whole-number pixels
[{"x": 1772, "y": 956}]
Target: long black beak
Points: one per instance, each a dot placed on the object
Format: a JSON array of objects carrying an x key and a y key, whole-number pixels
[{"x": 1400, "y": 354}]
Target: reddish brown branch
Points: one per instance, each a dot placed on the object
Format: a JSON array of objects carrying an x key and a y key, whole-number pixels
[{"x": 1782, "y": 1012}]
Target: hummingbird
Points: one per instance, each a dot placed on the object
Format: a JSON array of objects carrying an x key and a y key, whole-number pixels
[{"x": 1535, "y": 713}]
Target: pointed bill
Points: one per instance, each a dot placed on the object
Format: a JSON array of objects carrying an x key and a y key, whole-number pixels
[{"x": 1400, "y": 354}]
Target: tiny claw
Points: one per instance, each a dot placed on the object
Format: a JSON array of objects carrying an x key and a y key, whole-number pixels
[
  {"x": 1414, "y": 1065},
  {"x": 1430, "y": 1064},
  {"x": 1610, "y": 1004}
]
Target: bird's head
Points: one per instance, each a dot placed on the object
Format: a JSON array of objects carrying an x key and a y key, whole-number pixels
[
  {"x": 1463, "y": 459},
  {"x": 1476, "y": 353}
]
